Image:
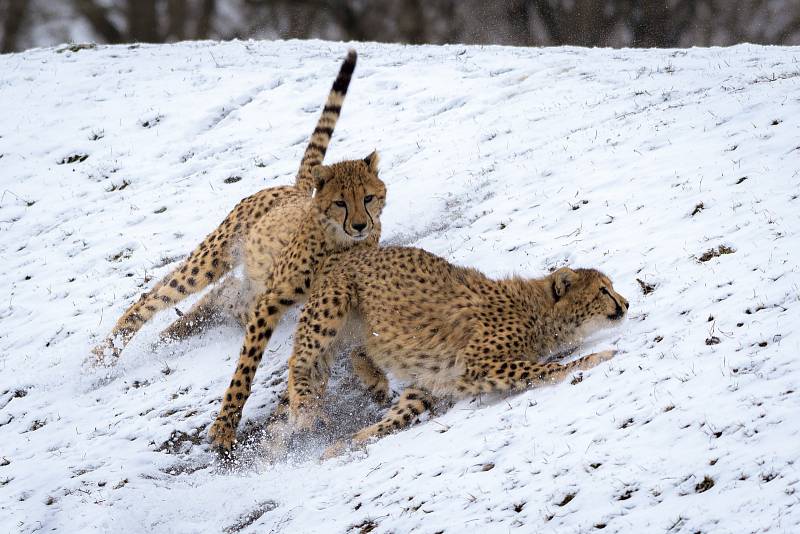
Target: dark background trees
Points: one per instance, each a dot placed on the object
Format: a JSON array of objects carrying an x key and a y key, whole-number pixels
[{"x": 638, "y": 23}]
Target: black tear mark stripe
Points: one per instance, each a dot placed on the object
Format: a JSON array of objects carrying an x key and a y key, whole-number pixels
[{"x": 346, "y": 214}]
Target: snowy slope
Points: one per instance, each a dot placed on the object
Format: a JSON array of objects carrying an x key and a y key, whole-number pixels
[{"x": 116, "y": 161}]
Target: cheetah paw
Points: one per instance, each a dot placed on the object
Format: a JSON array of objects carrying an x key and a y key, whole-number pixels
[
  {"x": 587, "y": 362},
  {"x": 105, "y": 353},
  {"x": 604, "y": 356},
  {"x": 307, "y": 417},
  {"x": 222, "y": 435},
  {"x": 338, "y": 448},
  {"x": 381, "y": 394}
]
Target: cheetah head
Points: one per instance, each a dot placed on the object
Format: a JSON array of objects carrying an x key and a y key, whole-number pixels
[
  {"x": 350, "y": 197},
  {"x": 586, "y": 299}
]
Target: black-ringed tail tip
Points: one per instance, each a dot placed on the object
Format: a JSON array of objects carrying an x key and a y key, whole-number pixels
[
  {"x": 321, "y": 137},
  {"x": 345, "y": 72}
]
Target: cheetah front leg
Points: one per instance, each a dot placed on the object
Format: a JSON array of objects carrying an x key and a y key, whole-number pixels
[
  {"x": 484, "y": 375},
  {"x": 412, "y": 403},
  {"x": 262, "y": 322},
  {"x": 319, "y": 324}
]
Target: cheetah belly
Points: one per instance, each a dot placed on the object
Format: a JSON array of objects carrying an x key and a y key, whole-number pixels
[
  {"x": 420, "y": 357},
  {"x": 267, "y": 239}
]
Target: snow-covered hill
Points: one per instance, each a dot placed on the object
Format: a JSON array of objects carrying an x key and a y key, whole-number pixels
[{"x": 677, "y": 172}]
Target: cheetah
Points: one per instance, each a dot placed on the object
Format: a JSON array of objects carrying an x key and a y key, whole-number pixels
[
  {"x": 343, "y": 214},
  {"x": 258, "y": 229},
  {"x": 444, "y": 330}
]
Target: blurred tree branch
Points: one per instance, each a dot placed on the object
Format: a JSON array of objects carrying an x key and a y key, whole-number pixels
[
  {"x": 759, "y": 21},
  {"x": 579, "y": 22},
  {"x": 13, "y": 14},
  {"x": 142, "y": 21},
  {"x": 146, "y": 22},
  {"x": 790, "y": 28},
  {"x": 207, "y": 10},
  {"x": 519, "y": 18},
  {"x": 176, "y": 19},
  {"x": 98, "y": 17},
  {"x": 661, "y": 24},
  {"x": 640, "y": 23}
]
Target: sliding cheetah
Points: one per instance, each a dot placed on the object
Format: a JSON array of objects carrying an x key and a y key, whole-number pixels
[
  {"x": 258, "y": 229},
  {"x": 444, "y": 330}
]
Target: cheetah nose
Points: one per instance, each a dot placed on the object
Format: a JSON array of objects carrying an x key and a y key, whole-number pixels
[
  {"x": 625, "y": 303},
  {"x": 358, "y": 227}
]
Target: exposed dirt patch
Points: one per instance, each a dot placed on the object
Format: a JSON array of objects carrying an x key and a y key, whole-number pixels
[
  {"x": 120, "y": 187},
  {"x": 74, "y": 158},
  {"x": 174, "y": 444},
  {"x": 251, "y": 517},
  {"x": 121, "y": 255},
  {"x": 566, "y": 500},
  {"x": 647, "y": 288},
  {"x": 627, "y": 494},
  {"x": 77, "y": 47},
  {"x": 36, "y": 425},
  {"x": 704, "y": 485},
  {"x": 365, "y": 526},
  {"x": 715, "y": 252},
  {"x": 149, "y": 123}
]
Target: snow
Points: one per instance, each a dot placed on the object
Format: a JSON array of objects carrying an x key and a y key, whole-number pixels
[{"x": 511, "y": 160}]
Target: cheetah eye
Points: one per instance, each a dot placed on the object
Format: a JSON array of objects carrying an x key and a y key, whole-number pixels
[
  {"x": 604, "y": 291},
  {"x": 340, "y": 203},
  {"x": 368, "y": 199}
]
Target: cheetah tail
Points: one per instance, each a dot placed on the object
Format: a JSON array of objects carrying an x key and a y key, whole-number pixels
[{"x": 318, "y": 144}]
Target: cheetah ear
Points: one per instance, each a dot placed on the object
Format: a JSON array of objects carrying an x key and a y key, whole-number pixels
[
  {"x": 321, "y": 175},
  {"x": 372, "y": 161},
  {"x": 562, "y": 280}
]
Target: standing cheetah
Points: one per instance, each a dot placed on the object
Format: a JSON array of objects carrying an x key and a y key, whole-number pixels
[
  {"x": 442, "y": 329},
  {"x": 258, "y": 228},
  {"x": 343, "y": 214}
]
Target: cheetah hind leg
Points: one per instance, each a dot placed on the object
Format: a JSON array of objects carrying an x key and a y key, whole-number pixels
[
  {"x": 222, "y": 304},
  {"x": 412, "y": 403},
  {"x": 370, "y": 375},
  {"x": 195, "y": 273},
  {"x": 279, "y": 433}
]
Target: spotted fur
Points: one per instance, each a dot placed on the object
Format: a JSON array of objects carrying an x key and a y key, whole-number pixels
[
  {"x": 444, "y": 330},
  {"x": 344, "y": 214},
  {"x": 261, "y": 224}
]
